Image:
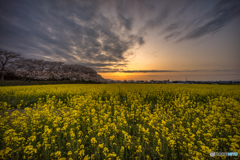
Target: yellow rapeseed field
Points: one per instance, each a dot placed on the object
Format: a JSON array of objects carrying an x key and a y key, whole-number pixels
[{"x": 119, "y": 121}]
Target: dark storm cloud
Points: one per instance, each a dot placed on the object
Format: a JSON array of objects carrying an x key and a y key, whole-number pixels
[
  {"x": 72, "y": 31},
  {"x": 91, "y": 32},
  {"x": 223, "y": 12}
]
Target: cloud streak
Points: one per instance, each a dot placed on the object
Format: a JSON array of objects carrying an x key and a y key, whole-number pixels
[
  {"x": 156, "y": 71},
  {"x": 221, "y": 15}
]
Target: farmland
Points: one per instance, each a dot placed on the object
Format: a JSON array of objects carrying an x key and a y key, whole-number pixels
[{"x": 119, "y": 121}]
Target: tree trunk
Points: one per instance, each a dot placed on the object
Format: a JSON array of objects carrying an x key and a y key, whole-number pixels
[{"x": 2, "y": 76}]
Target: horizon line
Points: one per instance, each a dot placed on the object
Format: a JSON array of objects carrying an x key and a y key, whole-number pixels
[{"x": 160, "y": 71}]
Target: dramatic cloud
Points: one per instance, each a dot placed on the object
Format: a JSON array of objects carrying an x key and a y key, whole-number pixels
[
  {"x": 102, "y": 33},
  {"x": 71, "y": 31},
  {"x": 223, "y": 12}
]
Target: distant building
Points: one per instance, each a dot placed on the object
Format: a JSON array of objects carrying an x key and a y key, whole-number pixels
[
  {"x": 152, "y": 81},
  {"x": 139, "y": 81},
  {"x": 166, "y": 81},
  {"x": 131, "y": 81}
]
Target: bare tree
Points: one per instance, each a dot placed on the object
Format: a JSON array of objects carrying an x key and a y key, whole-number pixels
[
  {"x": 54, "y": 69},
  {"x": 40, "y": 65},
  {"x": 29, "y": 68},
  {"x": 43, "y": 70},
  {"x": 6, "y": 58},
  {"x": 16, "y": 67},
  {"x": 79, "y": 72}
]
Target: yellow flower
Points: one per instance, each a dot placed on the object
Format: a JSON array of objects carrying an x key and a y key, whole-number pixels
[
  {"x": 86, "y": 157},
  {"x": 105, "y": 151},
  {"x": 58, "y": 154},
  {"x": 139, "y": 150},
  {"x": 101, "y": 145},
  {"x": 69, "y": 153},
  {"x": 81, "y": 153},
  {"x": 148, "y": 157},
  {"x": 92, "y": 156},
  {"x": 68, "y": 144},
  {"x": 112, "y": 137},
  {"x": 93, "y": 140},
  {"x": 80, "y": 141},
  {"x": 82, "y": 146},
  {"x": 112, "y": 154},
  {"x": 158, "y": 150}
]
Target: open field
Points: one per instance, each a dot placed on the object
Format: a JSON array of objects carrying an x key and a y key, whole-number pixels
[
  {"x": 22, "y": 82},
  {"x": 119, "y": 121}
]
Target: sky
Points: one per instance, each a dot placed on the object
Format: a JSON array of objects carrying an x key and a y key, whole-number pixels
[{"x": 129, "y": 39}]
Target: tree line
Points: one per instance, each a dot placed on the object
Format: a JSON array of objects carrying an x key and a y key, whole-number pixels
[{"x": 36, "y": 69}]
